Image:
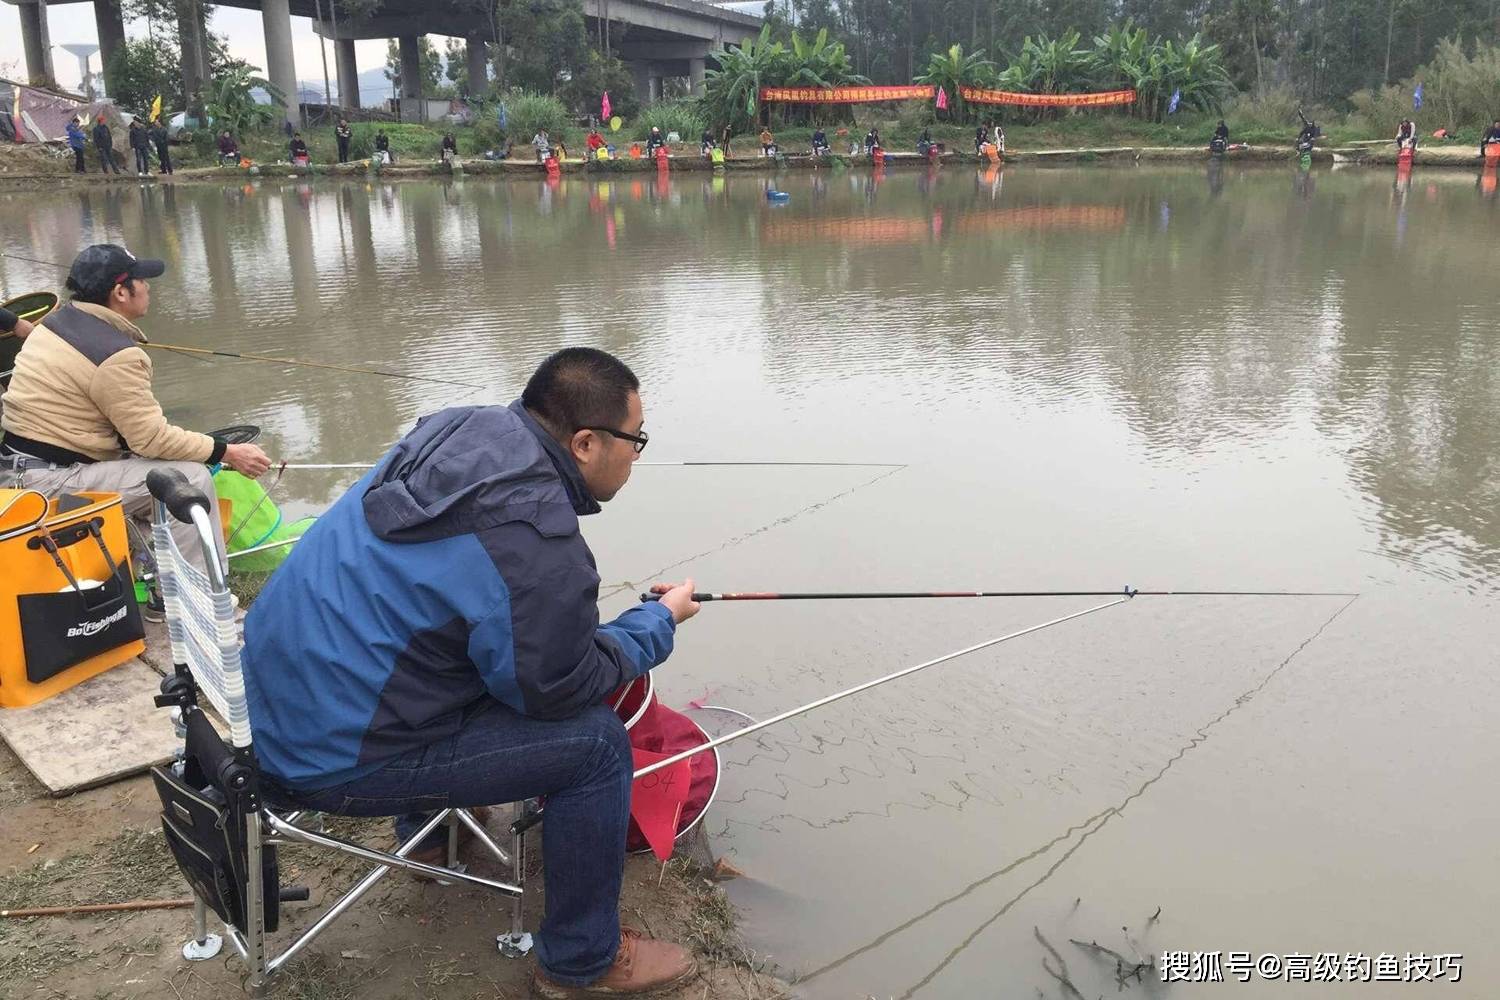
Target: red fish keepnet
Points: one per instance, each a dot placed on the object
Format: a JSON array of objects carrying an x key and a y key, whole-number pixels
[{"x": 668, "y": 802}]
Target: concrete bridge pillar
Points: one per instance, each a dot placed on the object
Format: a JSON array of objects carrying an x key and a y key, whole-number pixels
[
  {"x": 281, "y": 64},
  {"x": 111, "y": 25},
  {"x": 411, "y": 78},
  {"x": 37, "y": 42},
  {"x": 479, "y": 66},
  {"x": 696, "y": 70},
  {"x": 647, "y": 83},
  {"x": 348, "y": 72}
]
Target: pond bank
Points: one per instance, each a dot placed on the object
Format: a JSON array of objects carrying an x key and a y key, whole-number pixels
[
  {"x": 405, "y": 938},
  {"x": 1383, "y": 154}
]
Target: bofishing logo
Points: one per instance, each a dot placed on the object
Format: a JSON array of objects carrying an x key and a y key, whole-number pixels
[{"x": 94, "y": 628}]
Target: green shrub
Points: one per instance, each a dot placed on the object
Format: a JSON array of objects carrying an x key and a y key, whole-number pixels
[
  {"x": 1271, "y": 108},
  {"x": 526, "y": 113},
  {"x": 914, "y": 116},
  {"x": 683, "y": 117}
]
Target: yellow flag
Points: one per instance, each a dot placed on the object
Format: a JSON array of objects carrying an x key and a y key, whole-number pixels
[{"x": 156, "y": 108}]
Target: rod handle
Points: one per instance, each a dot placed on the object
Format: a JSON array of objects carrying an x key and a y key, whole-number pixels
[{"x": 700, "y": 598}]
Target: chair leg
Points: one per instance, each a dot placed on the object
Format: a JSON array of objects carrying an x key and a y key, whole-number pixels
[
  {"x": 516, "y": 943},
  {"x": 255, "y": 910},
  {"x": 453, "y": 825},
  {"x": 204, "y": 945}
]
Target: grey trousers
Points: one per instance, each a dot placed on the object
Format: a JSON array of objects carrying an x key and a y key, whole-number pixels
[{"x": 127, "y": 477}]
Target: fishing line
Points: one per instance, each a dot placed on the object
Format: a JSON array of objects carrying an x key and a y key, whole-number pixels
[{"x": 867, "y": 685}]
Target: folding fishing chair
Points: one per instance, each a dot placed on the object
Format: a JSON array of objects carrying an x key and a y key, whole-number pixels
[{"x": 219, "y": 825}]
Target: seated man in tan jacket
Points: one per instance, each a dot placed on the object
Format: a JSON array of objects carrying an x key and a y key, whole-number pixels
[{"x": 80, "y": 414}]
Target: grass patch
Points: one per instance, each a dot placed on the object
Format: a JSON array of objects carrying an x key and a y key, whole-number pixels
[
  {"x": 247, "y": 584},
  {"x": 710, "y": 921},
  {"x": 134, "y": 865}
]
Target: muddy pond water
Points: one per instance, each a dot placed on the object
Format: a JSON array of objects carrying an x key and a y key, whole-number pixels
[{"x": 1184, "y": 378}]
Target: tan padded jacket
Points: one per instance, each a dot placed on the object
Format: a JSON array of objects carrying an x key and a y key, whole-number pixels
[{"x": 83, "y": 382}]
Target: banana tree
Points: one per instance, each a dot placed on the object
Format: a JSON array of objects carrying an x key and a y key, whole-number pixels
[
  {"x": 731, "y": 90},
  {"x": 954, "y": 69},
  {"x": 228, "y": 101}
]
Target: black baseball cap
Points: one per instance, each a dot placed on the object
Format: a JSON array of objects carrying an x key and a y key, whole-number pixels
[{"x": 99, "y": 268}]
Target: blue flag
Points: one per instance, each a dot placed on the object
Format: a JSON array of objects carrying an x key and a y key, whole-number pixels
[
  {"x": 1172, "y": 104},
  {"x": 1416, "y": 98},
  {"x": 500, "y": 115}
]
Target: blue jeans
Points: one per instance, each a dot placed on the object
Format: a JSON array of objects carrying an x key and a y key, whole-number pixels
[{"x": 583, "y": 767}]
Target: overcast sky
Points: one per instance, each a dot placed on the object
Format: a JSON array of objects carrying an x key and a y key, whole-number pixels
[{"x": 74, "y": 22}]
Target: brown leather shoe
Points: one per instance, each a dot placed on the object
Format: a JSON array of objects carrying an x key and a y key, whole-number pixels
[
  {"x": 643, "y": 967},
  {"x": 437, "y": 854}
]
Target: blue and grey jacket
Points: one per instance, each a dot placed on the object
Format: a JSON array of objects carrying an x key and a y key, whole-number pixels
[{"x": 454, "y": 572}]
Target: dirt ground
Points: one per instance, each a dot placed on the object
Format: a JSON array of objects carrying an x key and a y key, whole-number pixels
[{"x": 405, "y": 938}]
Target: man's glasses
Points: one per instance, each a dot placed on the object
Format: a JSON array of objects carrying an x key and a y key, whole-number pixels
[{"x": 637, "y": 441}]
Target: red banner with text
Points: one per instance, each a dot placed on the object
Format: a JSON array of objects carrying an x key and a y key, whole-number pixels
[
  {"x": 975, "y": 95},
  {"x": 844, "y": 95}
]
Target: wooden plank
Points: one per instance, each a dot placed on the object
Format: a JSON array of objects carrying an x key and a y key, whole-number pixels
[{"x": 102, "y": 730}]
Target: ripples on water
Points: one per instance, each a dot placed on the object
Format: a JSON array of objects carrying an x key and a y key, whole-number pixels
[{"x": 1096, "y": 377}]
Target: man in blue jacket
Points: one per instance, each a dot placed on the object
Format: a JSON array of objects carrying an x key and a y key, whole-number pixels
[
  {"x": 434, "y": 641},
  {"x": 76, "y": 143}
]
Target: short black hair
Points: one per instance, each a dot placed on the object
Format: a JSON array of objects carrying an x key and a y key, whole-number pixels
[
  {"x": 580, "y": 387},
  {"x": 98, "y": 296}
]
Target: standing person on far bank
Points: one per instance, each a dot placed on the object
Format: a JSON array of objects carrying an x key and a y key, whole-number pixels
[
  {"x": 76, "y": 142},
  {"x": 343, "y": 133},
  {"x": 104, "y": 142},
  {"x": 80, "y": 413},
  {"x": 767, "y": 141},
  {"x": 140, "y": 145},
  {"x": 158, "y": 133},
  {"x": 724, "y": 136}
]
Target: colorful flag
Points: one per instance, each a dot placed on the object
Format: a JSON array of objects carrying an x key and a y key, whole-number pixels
[
  {"x": 1416, "y": 98},
  {"x": 156, "y": 109},
  {"x": 604, "y": 109},
  {"x": 1176, "y": 100},
  {"x": 942, "y": 98}
]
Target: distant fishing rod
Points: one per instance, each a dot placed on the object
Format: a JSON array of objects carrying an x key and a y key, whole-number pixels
[
  {"x": 867, "y": 685},
  {"x": 899, "y": 595},
  {"x": 245, "y": 356},
  {"x": 316, "y": 466},
  {"x": 355, "y": 369}
]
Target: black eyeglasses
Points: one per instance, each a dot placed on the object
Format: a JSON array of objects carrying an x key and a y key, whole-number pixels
[{"x": 637, "y": 441}]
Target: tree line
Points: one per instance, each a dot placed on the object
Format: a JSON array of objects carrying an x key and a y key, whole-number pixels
[{"x": 1325, "y": 50}]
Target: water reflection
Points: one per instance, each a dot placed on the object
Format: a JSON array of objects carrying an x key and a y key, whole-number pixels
[
  {"x": 1199, "y": 318},
  {"x": 1205, "y": 375}
]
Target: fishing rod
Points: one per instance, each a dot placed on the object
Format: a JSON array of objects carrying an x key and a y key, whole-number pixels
[
  {"x": 317, "y": 466},
  {"x": 920, "y": 594},
  {"x": 245, "y": 356},
  {"x": 867, "y": 685},
  {"x": 355, "y": 369}
]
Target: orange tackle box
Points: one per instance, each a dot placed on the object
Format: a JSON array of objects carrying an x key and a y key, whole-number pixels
[{"x": 67, "y": 598}]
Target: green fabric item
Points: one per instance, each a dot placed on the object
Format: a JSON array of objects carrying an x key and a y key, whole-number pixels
[
  {"x": 264, "y": 562},
  {"x": 254, "y": 519}
]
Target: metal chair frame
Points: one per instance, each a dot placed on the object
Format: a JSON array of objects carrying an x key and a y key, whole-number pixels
[{"x": 264, "y": 827}]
